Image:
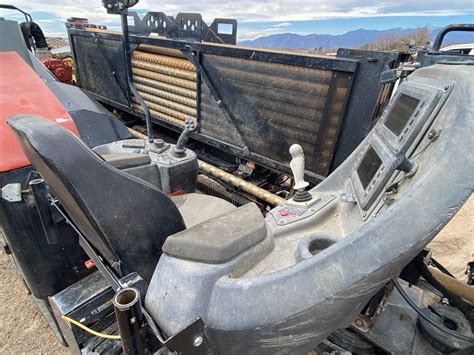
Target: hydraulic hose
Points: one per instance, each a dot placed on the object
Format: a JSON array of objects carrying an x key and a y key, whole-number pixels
[
  {"x": 456, "y": 300},
  {"x": 427, "y": 318}
]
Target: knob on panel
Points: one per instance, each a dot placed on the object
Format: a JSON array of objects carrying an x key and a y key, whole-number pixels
[{"x": 297, "y": 166}]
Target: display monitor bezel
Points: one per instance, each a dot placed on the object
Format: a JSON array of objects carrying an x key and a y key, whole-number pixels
[
  {"x": 366, "y": 196},
  {"x": 428, "y": 99}
]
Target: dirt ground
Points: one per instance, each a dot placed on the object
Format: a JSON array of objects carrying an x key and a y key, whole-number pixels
[{"x": 23, "y": 329}]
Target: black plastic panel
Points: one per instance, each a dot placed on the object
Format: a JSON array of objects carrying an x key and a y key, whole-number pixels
[{"x": 46, "y": 268}]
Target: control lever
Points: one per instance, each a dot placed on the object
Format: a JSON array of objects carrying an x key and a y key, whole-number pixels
[
  {"x": 179, "y": 149},
  {"x": 297, "y": 168}
]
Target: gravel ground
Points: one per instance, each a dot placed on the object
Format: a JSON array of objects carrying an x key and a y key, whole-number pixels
[{"x": 23, "y": 329}]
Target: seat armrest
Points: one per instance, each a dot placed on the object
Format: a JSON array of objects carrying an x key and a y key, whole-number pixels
[{"x": 219, "y": 239}]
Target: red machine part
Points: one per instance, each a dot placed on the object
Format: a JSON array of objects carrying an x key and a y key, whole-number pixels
[
  {"x": 23, "y": 92},
  {"x": 61, "y": 69}
]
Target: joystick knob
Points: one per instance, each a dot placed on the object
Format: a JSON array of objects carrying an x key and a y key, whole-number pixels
[
  {"x": 179, "y": 149},
  {"x": 297, "y": 168}
]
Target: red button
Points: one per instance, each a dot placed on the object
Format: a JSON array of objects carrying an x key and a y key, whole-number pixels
[
  {"x": 89, "y": 264},
  {"x": 284, "y": 213}
]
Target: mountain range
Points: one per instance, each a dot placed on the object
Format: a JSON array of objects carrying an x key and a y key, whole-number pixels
[{"x": 351, "y": 39}]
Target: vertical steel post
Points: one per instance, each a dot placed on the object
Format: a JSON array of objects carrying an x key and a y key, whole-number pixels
[{"x": 128, "y": 311}]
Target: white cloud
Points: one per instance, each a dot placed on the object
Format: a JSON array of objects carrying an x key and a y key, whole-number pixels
[
  {"x": 244, "y": 11},
  {"x": 283, "y": 24}
]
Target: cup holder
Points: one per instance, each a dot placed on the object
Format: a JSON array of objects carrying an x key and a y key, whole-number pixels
[{"x": 310, "y": 246}]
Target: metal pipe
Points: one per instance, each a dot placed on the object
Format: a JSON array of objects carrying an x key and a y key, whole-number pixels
[
  {"x": 128, "y": 71},
  {"x": 303, "y": 75},
  {"x": 229, "y": 178},
  {"x": 161, "y": 116},
  {"x": 183, "y": 74},
  {"x": 166, "y": 87},
  {"x": 183, "y": 64},
  {"x": 453, "y": 285},
  {"x": 187, "y": 84},
  {"x": 241, "y": 184},
  {"x": 128, "y": 311},
  {"x": 450, "y": 28},
  {"x": 170, "y": 104},
  {"x": 167, "y": 111},
  {"x": 166, "y": 95},
  {"x": 40, "y": 196},
  {"x": 171, "y": 52}
]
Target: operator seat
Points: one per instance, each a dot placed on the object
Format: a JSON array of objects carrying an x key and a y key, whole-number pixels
[{"x": 124, "y": 218}]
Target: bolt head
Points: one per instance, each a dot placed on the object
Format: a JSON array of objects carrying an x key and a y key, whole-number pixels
[
  {"x": 198, "y": 341},
  {"x": 159, "y": 142}
]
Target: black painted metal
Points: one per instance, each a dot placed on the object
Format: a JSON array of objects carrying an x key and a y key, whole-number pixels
[
  {"x": 364, "y": 103},
  {"x": 46, "y": 268},
  {"x": 11, "y": 7},
  {"x": 196, "y": 59},
  {"x": 40, "y": 196},
  {"x": 128, "y": 311},
  {"x": 111, "y": 66},
  {"x": 191, "y": 340},
  {"x": 357, "y": 73},
  {"x": 451, "y": 28},
  {"x": 128, "y": 73},
  {"x": 186, "y": 26}
]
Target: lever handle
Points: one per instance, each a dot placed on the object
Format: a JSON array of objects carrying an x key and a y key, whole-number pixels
[
  {"x": 190, "y": 126},
  {"x": 297, "y": 167}
]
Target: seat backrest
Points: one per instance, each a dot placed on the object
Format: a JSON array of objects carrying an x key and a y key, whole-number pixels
[{"x": 125, "y": 218}]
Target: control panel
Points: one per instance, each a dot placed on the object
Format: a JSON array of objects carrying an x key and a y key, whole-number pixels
[
  {"x": 290, "y": 213},
  {"x": 169, "y": 171},
  {"x": 389, "y": 147}
]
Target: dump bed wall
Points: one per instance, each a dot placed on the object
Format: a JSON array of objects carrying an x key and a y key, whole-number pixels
[{"x": 251, "y": 103}]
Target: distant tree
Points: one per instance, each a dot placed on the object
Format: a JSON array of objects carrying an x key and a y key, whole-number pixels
[{"x": 394, "y": 42}]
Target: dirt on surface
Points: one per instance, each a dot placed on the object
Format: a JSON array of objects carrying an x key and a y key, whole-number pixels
[{"x": 24, "y": 330}]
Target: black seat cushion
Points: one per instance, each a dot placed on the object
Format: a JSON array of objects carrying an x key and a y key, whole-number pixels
[
  {"x": 221, "y": 238},
  {"x": 126, "y": 219}
]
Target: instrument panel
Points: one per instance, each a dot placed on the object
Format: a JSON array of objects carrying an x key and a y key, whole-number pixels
[{"x": 402, "y": 125}]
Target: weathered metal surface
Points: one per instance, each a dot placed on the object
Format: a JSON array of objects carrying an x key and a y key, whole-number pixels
[
  {"x": 241, "y": 184},
  {"x": 188, "y": 26},
  {"x": 165, "y": 110},
  {"x": 161, "y": 50},
  {"x": 163, "y": 60},
  {"x": 166, "y": 87},
  {"x": 161, "y": 115},
  {"x": 275, "y": 106},
  {"x": 366, "y": 100},
  {"x": 254, "y": 103},
  {"x": 184, "y": 74},
  {"x": 170, "y": 104},
  {"x": 187, "y": 84},
  {"x": 167, "y": 95}
]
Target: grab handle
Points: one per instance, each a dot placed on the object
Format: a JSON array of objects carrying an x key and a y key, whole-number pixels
[{"x": 451, "y": 28}]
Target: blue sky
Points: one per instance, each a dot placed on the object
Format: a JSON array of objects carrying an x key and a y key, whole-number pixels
[{"x": 264, "y": 17}]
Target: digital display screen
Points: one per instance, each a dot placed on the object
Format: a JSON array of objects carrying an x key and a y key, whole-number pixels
[
  {"x": 401, "y": 113},
  {"x": 368, "y": 167}
]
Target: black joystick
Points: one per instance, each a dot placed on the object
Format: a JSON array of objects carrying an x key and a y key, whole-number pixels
[{"x": 179, "y": 150}]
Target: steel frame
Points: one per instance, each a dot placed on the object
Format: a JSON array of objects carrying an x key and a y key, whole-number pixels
[{"x": 344, "y": 65}]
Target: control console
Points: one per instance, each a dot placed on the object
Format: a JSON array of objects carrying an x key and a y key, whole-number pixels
[{"x": 169, "y": 167}]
